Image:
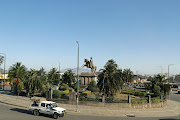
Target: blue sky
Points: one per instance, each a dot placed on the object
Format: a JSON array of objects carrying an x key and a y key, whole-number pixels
[{"x": 137, "y": 34}]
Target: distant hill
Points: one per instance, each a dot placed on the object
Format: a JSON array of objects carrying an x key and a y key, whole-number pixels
[{"x": 81, "y": 70}]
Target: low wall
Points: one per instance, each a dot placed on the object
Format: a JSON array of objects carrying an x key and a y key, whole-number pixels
[
  {"x": 115, "y": 105},
  {"x": 148, "y": 105}
]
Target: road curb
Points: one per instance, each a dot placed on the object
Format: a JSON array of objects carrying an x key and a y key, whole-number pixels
[
  {"x": 12, "y": 104},
  {"x": 95, "y": 114}
]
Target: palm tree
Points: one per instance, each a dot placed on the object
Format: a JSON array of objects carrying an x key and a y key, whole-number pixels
[
  {"x": 109, "y": 79},
  {"x": 16, "y": 74},
  {"x": 53, "y": 76},
  {"x": 127, "y": 76},
  {"x": 68, "y": 77},
  {"x": 33, "y": 82},
  {"x": 42, "y": 74}
]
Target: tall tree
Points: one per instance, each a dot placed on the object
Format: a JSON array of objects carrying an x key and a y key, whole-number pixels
[
  {"x": 42, "y": 74},
  {"x": 127, "y": 76},
  {"x": 110, "y": 78},
  {"x": 17, "y": 73},
  {"x": 33, "y": 82},
  {"x": 68, "y": 77},
  {"x": 53, "y": 76}
]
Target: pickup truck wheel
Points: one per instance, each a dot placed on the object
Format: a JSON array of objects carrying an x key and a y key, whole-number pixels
[
  {"x": 36, "y": 112},
  {"x": 55, "y": 116}
]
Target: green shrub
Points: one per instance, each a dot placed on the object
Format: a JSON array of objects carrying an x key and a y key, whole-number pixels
[
  {"x": 134, "y": 92},
  {"x": 57, "y": 94},
  {"x": 139, "y": 101},
  {"x": 75, "y": 88},
  {"x": 87, "y": 99},
  {"x": 142, "y": 94},
  {"x": 64, "y": 87},
  {"x": 150, "y": 94},
  {"x": 93, "y": 87},
  {"x": 155, "y": 100},
  {"x": 67, "y": 91},
  {"x": 157, "y": 90},
  {"x": 86, "y": 93}
]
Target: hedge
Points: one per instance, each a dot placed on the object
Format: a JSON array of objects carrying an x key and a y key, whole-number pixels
[
  {"x": 155, "y": 100},
  {"x": 139, "y": 101},
  {"x": 86, "y": 93},
  {"x": 136, "y": 93},
  {"x": 58, "y": 94}
]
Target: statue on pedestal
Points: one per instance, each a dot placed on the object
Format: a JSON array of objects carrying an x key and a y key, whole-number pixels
[{"x": 89, "y": 64}]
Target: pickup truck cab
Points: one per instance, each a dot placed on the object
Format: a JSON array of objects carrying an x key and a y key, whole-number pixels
[{"x": 47, "y": 107}]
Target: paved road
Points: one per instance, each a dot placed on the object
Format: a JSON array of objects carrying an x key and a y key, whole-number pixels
[
  {"x": 174, "y": 96},
  {"x": 16, "y": 113}
]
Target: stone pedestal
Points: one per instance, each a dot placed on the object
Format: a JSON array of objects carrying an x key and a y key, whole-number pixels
[{"x": 86, "y": 78}]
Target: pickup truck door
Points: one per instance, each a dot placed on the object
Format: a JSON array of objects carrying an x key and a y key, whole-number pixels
[
  {"x": 48, "y": 110},
  {"x": 42, "y": 108}
]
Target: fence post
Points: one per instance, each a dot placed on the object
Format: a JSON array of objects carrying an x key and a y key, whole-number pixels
[
  {"x": 129, "y": 99},
  {"x": 50, "y": 93},
  {"x": 149, "y": 100},
  {"x": 70, "y": 95},
  {"x": 103, "y": 98},
  {"x": 161, "y": 97}
]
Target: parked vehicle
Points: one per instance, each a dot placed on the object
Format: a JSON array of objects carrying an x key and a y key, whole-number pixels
[{"x": 47, "y": 107}]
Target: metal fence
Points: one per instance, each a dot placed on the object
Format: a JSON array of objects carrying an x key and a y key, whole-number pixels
[{"x": 116, "y": 100}]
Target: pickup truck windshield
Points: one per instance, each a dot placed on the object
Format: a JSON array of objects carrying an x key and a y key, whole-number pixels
[{"x": 53, "y": 105}]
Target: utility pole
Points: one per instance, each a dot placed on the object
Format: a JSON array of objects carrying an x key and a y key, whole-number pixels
[
  {"x": 77, "y": 79},
  {"x": 59, "y": 67},
  {"x": 161, "y": 70},
  {"x": 168, "y": 71},
  {"x": 4, "y": 67}
]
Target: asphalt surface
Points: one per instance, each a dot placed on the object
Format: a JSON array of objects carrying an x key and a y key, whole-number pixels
[
  {"x": 175, "y": 96},
  {"x": 8, "y": 112}
]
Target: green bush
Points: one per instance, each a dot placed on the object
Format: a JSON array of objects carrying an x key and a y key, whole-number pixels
[
  {"x": 150, "y": 94},
  {"x": 75, "y": 88},
  {"x": 157, "y": 90},
  {"x": 134, "y": 92},
  {"x": 64, "y": 87},
  {"x": 87, "y": 99},
  {"x": 139, "y": 101},
  {"x": 155, "y": 100},
  {"x": 93, "y": 87},
  {"x": 67, "y": 91},
  {"x": 86, "y": 93},
  {"x": 57, "y": 94}
]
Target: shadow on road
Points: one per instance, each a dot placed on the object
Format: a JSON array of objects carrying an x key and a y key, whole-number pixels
[
  {"x": 168, "y": 119},
  {"x": 21, "y": 110},
  {"x": 28, "y": 112}
]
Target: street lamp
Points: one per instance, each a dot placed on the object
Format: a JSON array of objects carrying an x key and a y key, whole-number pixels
[
  {"x": 4, "y": 67},
  {"x": 161, "y": 70},
  {"x": 77, "y": 79},
  {"x": 168, "y": 71},
  {"x": 59, "y": 67}
]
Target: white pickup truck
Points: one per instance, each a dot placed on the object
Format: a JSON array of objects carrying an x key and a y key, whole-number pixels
[{"x": 47, "y": 107}]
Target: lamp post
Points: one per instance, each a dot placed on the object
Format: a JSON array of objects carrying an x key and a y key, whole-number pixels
[
  {"x": 168, "y": 71},
  {"x": 161, "y": 70},
  {"x": 77, "y": 79},
  {"x": 4, "y": 67},
  {"x": 59, "y": 67}
]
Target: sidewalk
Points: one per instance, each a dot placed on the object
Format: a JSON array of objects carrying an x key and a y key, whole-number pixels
[{"x": 172, "y": 109}]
